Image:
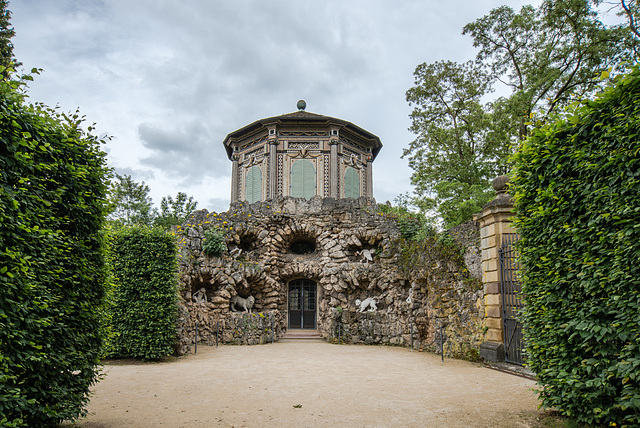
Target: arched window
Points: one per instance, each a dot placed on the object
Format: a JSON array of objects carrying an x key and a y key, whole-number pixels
[
  {"x": 253, "y": 185},
  {"x": 351, "y": 183},
  {"x": 303, "y": 179}
]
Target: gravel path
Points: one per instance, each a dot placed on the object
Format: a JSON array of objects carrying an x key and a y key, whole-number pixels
[{"x": 307, "y": 385}]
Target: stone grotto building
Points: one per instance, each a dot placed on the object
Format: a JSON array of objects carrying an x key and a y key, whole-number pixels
[{"x": 307, "y": 248}]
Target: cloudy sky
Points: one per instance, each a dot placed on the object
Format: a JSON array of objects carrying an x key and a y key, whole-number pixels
[{"x": 169, "y": 80}]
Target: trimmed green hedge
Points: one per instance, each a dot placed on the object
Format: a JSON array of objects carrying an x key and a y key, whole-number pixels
[
  {"x": 577, "y": 190},
  {"x": 144, "y": 303},
  {"x": 52, "y": 194}
]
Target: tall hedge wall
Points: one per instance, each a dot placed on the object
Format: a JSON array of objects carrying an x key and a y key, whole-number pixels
[
  {"x": 52, "y": 193},
  {"x": 144, "y": 302},
  {"x": 577, "y": 191}
]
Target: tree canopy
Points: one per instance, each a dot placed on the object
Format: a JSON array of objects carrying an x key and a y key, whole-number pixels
[
  {"x": 7, "y": 60},
  {"x": 174, "y": 211},
  {"x": 546, "y": 57},
  {"x": 455, "y": 155},
  {"x": 130, "y": 202},
  {"x": 131, "y": 205}
]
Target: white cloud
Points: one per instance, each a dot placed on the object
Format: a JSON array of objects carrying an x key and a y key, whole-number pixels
[{"x": 169, "y": 80}]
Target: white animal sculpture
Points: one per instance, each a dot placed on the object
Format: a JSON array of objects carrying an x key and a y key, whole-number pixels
[
  {"x": 367, "y": 256},
  {"x": 200, "y": 296},
  {"x": 369, "y": 302},
  {"x": 410, "y": 298},
  {"x": 239, "y": 302}
]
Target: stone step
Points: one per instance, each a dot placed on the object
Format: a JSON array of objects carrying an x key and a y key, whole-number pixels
[{"x": 301, "y": 335}]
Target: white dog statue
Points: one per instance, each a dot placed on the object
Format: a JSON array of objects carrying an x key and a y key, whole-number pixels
[
  {"x": 244, "y": 304},
  {"x": 369, "y": 302}
]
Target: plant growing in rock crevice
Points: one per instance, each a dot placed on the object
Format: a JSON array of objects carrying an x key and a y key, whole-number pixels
[{"x": 213, "y": 243}]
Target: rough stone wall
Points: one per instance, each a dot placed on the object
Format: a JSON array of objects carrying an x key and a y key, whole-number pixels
[{"x": 420, "y": 287}]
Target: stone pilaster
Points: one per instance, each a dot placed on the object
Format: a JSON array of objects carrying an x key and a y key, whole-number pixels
[
  {"x": 335, "y": 171},
  {"x": 369, "y": 177},
  {"x": 234, "y": 178},
  {"x": 495, "y": 222},
  {"x": 272, "y": 191}
]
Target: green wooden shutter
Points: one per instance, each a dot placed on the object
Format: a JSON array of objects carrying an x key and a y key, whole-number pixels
[
  {"x": 253, "y": 185},
  {"x": 351, "y": 183},
  {"x": 303, "y": 179}
]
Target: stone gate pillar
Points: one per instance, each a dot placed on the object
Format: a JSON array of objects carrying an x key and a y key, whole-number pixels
[{"x": 494, "y": 221}]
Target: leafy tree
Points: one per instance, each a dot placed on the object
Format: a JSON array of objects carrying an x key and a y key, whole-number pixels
[
  {"x": 548, "y": 56},
  {"x": 7, "y": 60},
  {"x": 576, "y": 183},
  {"x": 456, "y": 154},
  {"x": 52, "y": 197},
  {"x": 175, "y": 211},
  {"x": 630, "y": 11},
  {"x": 130, "y": 202}
]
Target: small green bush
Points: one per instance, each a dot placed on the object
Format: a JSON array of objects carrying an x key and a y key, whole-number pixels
[
  {"x": 144, "y": 301},
  {"x": 213, "y": 243},
  {"x": 577, "y": 190}
]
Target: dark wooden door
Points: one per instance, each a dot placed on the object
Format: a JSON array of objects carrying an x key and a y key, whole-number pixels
[{"x": 302, "y": 304}]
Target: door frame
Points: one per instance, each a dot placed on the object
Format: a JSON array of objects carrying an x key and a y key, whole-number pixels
[{"x": 301, "y": 285}]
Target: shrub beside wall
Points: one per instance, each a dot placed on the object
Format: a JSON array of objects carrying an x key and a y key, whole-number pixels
[
  {"x": 577, "y": 191},
  {"x": 52, "y": 192},
  {"x": 144, "y": 300}
]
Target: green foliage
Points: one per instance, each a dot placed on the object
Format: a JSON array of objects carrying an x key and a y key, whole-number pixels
[
  {"x": 546, "y": 56},
  {"x": 455, "y": 156},
  {"x": 630, "y": 11},
  {"x": 422, "y": 257},
  {"x": 576, "y": 183},
  {"x": 144, "y": 306},
  {"x": 7, "y": 60},
  {"x": 214, "y": 244},
  {"x": 413, "y": 226},
  {"x": 130, "y": 203},
  {"x": 52, "y": 196},
  {"x": 174, "y": 212}
]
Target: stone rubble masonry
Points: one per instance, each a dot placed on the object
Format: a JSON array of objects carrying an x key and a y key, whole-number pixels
[{"x": 260, "y": 262}]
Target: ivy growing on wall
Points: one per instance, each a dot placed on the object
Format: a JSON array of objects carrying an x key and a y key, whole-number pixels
[
  {"x": 144, "y": 299},
  {"x": 412, "y": 226},
  {"x": 577, "y": 191},
  {"x": 52, "y": 194}
]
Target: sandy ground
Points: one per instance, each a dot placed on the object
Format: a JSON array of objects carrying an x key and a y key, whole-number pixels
[{"x": 307, "y": 385}]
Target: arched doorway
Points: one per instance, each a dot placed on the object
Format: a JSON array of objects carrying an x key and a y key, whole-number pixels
[{"x": 302, "y": 304}]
